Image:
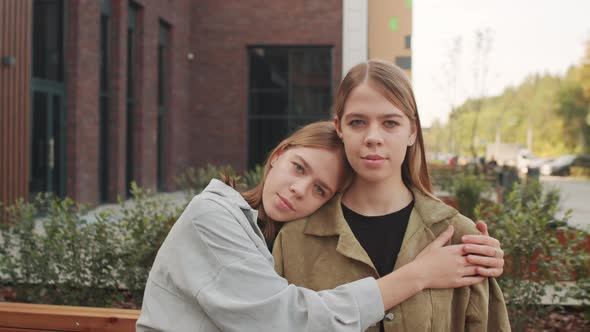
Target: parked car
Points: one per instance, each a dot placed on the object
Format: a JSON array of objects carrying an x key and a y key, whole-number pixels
[
  {"x": 534, "y": 165},
  {"x": 559, "y": 166}
]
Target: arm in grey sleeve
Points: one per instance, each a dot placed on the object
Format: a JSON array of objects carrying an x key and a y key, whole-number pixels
[{"x": 246, "y": 294}]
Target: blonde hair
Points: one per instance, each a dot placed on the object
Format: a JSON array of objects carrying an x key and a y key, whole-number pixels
[
  {"x": 321, "y": 135},
  {"x": 394, "y": 85}
]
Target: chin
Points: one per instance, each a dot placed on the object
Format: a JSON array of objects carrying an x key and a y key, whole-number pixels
[{"x": 276, "y": 217}]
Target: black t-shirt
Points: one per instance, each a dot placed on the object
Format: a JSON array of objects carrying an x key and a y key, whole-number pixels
[{"x": 380, "y": 236}]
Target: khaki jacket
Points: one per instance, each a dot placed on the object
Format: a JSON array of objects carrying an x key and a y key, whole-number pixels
[{"x": 320, "y": 252}]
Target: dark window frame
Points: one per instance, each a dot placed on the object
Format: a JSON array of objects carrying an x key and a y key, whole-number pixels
[
  {"x": 104, "y": 95},
  {"x": 51, "y": 83},
  {"x": 163, "y": 87},
  {"x": 292, "y": 79},
  {"x": 133, "y": 13}
]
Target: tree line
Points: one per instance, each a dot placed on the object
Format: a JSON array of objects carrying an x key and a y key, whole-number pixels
[{"x": 549, "y": 112}]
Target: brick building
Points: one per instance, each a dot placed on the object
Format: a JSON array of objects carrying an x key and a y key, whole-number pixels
[{"x": 97, "y": 93}]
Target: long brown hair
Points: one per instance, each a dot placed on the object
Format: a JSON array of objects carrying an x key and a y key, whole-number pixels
[
  {"x": 394, "y": 85},
  {"x": 322, "y": 135}
]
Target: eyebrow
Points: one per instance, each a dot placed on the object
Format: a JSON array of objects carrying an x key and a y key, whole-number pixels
[
  {"x": 306, "y": 166},
  {"x": 364, "y": 116}
]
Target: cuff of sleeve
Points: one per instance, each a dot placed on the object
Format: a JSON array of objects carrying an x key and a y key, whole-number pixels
[{"x": 368, "y": 297}]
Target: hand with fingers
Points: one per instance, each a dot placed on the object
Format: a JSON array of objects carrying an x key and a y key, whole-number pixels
[
  {"x": 484, "y": 251},
  {"x": 445, "y": 266}
]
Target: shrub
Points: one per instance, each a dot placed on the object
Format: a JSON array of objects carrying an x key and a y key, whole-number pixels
[
  {"x": 253, "y": 177},
  {"x": 580, "y": 171},
  {"x": 52, "y": 254},
  {"x": 468, "y": 190},
  {"x": 526, "y": 225},
  {"x": 194, "y": 181},
  {"x": 54, "y": 251},
  {"x": 142, "y": 224}
]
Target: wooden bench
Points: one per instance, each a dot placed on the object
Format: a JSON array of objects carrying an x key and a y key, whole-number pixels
[{"x": 24, "y": 317}]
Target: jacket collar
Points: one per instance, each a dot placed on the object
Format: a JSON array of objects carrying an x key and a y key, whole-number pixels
[
  {"x": 329, "y": 221},
  {"x": 427, "y": 212},
  {"x": 222, "y": 189}
]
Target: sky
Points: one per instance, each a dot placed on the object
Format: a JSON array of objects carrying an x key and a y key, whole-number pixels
[{"x": 527, "y": 37}]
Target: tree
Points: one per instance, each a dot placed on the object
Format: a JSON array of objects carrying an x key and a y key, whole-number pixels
[
  {"x": 585, "y": 78},
  {"x": 483, "y": 46},
  {"x": 572, "y": 106}
]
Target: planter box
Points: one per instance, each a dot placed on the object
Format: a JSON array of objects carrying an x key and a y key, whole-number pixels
[{"x": 42, "y": 317}]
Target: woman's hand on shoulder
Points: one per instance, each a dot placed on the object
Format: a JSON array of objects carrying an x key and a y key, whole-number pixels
[
  {"x": 442, "y": 266},
  {"x": 484, "y": 251}
]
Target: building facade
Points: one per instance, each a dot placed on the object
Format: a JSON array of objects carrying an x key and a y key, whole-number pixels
[{"x": 96, "y": 94}]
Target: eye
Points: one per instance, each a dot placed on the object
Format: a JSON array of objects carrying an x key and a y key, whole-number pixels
[
  {"x": 298, "y": 168},
  {"x": 320, "y": 190},
  {"x": 356, "y": 123},
  {"x": 390, "y": 123}
]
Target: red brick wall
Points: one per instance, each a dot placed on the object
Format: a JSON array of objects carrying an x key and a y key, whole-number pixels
[
  {"x": 177, "y": 13},
  {"x": 222, "y": 30},
  {"x": 82, "y": 82},
  {"x": 82, "y": 79},
  {"x": 208, "y": 102}
]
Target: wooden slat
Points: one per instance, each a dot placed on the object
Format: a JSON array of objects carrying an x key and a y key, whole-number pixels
[
  {"x": 15, "y": 27},
  {"x": 66, "y": 318}
]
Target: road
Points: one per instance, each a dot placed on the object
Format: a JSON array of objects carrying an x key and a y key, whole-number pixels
[{"x": 575, "y": 195}]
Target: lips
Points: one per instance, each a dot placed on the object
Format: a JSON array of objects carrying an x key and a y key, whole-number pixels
[
  {"x": 374, "y": 157},
  {"x": 286, "y": 202}
]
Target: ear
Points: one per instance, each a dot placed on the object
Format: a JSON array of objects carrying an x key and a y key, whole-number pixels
[
  {"x": 413, "y": 135},
  {"x": 337, "y": 125}
]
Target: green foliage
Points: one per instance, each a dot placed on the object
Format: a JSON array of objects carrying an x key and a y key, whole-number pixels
[
  {"x": 52, "y": 254},
  {"x": 54, "y": 251},
  {"x": 467, "y": 184},
  {"x": 194, "y": 181},
  {"x": 572, "y": 107},
  {"x": 253, "y": 177},
  {"x": 527, "y": 227},
  {"x": 142, "y": 224},
  {"x": 580, "y": 171},
  {"x": 553, "y": 107},
  {"x": 468, "y": 190}
]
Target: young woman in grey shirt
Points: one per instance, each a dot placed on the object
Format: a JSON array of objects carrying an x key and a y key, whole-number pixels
[{"x": 214, "y": 271}]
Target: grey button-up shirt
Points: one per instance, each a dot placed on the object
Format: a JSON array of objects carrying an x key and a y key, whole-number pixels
[{"x": 215, "y": 273}]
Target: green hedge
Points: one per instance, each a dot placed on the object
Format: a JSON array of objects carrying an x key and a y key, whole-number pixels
[
  {"x": 56, "y": 251},
  {"x": 536, "y": 258}
]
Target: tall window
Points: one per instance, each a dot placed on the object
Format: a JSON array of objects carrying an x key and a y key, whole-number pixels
[
  {"x": 104, "y": 100},
  {"x": 48, "y": 40},
  {"x": 289, "y": 87},
  {"x": 47, "y": 126},
  {"x": 132, "y": 21},
  {"x": 163, "y": 92}
]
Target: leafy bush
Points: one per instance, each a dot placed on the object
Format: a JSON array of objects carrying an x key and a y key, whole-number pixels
[
  {"x": 468, "y": 190},
  {"x": 194, "y": 181},
  {"x": 52, "y": 254},
  {"x": 526, "y": 225},
  {"x": 142, "y": 224},
  {"x": 54, "y": 251},
  {"x": 580, "y": 171},
  {"x": 253, "y": 177}
]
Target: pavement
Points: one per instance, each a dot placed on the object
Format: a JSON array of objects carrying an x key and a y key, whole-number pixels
[{"x": 575, "y": 195}]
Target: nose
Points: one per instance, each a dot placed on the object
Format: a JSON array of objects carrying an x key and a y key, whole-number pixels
[
  {"x": 373, "y": 136},
  {"x": 299, "y": 187}
]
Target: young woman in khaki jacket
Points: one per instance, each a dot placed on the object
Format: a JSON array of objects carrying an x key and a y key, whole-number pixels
[
  {"x": 214, "y": 271},
  {"x": 387, "y": 215}
]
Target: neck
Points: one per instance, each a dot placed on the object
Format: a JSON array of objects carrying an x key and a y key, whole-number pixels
[{"x": 377, "y": 198}]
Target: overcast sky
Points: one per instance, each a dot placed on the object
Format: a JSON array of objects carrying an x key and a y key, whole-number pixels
[{"x": 528, "y": 36}]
